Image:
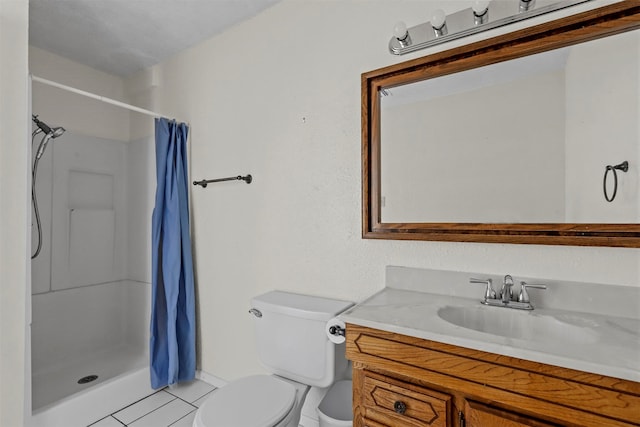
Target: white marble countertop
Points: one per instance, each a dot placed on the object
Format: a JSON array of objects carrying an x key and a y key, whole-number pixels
[{"x": 596, "y": 343}]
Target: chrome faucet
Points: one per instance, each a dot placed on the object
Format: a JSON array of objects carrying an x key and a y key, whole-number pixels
[
  {"x": 505, "y": 298},
  {"x": 506, "y": 293}
]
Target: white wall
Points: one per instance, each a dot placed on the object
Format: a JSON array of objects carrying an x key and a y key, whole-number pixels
[
  {"x": 76, "y": 113},
  {"x": 14, "y": 208},
  {"x": 279, "y": 97}
]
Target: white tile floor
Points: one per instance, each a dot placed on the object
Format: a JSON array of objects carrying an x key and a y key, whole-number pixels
[{"x": 171, "y": 406}]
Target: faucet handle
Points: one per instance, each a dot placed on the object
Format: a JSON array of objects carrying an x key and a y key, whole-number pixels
[
  {"x": 489, "y": 292},
  {"x": 524, "y": 295}
]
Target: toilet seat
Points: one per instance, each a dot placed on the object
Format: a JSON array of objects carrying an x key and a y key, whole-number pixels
[{"x": 255, "y": 401}]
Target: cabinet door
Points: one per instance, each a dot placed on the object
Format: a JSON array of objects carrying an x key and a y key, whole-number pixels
[{"x": 480, "y": 415}]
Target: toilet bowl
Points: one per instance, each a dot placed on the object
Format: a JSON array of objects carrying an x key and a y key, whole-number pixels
[
  {"x": 292, "y": 344},
  {"x": 255, "y": 401}
]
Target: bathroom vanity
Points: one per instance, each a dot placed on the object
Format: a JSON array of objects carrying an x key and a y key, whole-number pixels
[
  {"x": 443, "y": 359},
  {"x": 399, "y": 380}
]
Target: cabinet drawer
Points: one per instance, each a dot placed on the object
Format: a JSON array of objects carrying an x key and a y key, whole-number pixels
[
  {"x": 369, "y": 423},
  {"x": 392, "y": 402}
]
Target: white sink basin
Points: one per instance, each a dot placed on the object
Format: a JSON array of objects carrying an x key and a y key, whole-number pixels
[{"x": 523, "y": 325}]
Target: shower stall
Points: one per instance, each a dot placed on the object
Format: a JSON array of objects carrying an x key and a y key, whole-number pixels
[{"x": 93, "y": 188}]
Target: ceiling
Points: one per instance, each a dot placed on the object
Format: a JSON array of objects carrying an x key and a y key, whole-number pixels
[{"x": 124, "y": 36}]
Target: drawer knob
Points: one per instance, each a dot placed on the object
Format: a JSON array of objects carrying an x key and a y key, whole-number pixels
[{"x": 400, "y": 407}]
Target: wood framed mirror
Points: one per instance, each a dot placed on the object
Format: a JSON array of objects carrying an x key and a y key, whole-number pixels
[{"x": 434, "y": 128}]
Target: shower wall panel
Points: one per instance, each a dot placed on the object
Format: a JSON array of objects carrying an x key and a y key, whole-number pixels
[
  {"x": 89, "y": 306},
  {"x": 141, "y": 185},
  {"x": 70, "y": 324},
  {"x": 88, "y": 212}
]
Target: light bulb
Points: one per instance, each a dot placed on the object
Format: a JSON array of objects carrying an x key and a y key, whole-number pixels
[
  {"x": 480, "y": 7},
  {"x": 438, "y": 19},
  {"x": 400, "y": 30}
]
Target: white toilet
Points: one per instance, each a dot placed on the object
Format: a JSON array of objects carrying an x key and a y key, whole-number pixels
[{"x": 292, "y": 343}]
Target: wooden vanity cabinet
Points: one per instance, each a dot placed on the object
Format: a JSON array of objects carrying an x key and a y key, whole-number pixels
[{"x": 402, "y": 381}]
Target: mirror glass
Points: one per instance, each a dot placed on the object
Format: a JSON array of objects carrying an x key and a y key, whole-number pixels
[{"x": 522, "y": 141}]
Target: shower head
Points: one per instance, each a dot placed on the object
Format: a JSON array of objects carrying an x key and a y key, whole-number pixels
[
  {"x": 54, "y": 133},
  {"x": 43, "y": 127},
  {"x": 49, "y": 133}
]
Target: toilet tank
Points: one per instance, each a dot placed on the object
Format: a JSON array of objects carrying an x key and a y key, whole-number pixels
[{"x": 291, "y": 338}]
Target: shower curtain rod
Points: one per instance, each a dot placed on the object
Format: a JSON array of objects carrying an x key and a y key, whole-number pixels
[{"x": 98, "y": 97}]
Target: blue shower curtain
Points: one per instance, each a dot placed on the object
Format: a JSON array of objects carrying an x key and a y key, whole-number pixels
[{"x": 172, "y": 346}]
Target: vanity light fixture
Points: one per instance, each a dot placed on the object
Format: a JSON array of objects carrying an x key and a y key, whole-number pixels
[{"x": 482, "y": 16}]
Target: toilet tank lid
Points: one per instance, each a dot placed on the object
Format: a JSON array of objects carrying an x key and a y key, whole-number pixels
[{"x": 306, "y": 306}]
